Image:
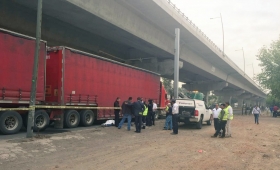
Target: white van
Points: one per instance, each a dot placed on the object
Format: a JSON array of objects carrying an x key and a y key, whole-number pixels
[{"x": 193, "y": 111}]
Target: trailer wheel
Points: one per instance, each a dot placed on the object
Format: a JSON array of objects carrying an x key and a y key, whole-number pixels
[
  {"x": 87, "y": 117},
  {"x": 71, "y": 118},
  {"x": 41, "y": 120},
  {"x": 10, "y": 122}
]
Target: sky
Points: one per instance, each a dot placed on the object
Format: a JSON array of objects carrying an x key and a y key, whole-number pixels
[{"x": 248, "y": 24}]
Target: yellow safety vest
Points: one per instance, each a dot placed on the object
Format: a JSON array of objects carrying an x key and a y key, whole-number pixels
[
  {"x": 166, "y": 109},
  {"x": 145, "y": 113},
  {"x": 230, "y": 117},
  {"x": 225, "y": 117}
]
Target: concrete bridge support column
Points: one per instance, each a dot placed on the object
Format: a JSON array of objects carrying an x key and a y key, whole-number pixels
[{"x": 240, "y": 102}]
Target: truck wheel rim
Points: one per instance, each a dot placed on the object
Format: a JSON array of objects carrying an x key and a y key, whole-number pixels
[
  {"x": 88, "y": 118},
  {"x": 73, "y": 119},
  {"x": 40, "y": 121},
  {"x": 11, "y": 123}
]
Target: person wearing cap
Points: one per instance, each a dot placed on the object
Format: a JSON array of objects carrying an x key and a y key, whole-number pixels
[{"x": 175, "y": 112}]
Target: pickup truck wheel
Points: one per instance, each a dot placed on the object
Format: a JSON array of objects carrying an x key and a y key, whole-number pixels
[
  {"x": 41, "y": 120},
  {"x": 199, "y": 124},
  {"x": 71, "y": 118},
  {"x": 10, "y": 122},
  {"x": 87, "y": 117},
  {"x": 209, "y": 122}
]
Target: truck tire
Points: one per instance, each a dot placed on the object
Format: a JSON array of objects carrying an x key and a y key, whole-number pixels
[
  {"x": 71, "y": 118},
  {"x": 10, "y": 122},
  {"x": 41, "y": 120},
  {"x": 87, "y": 117},
  {"x": 199, "y": 124}
]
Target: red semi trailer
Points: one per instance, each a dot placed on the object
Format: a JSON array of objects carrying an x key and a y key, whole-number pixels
[{"x": 73, "y": 87}]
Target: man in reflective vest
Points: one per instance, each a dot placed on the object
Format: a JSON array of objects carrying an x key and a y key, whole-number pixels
[
  {"x": 223, "y": 118},
  {"x": 145, "y": 113},
  {"x": 168, "y": 121},
  {"x": 230, "y": 117}
]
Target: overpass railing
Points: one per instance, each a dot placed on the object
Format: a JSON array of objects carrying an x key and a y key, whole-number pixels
[{"x": 209, "y": 40}]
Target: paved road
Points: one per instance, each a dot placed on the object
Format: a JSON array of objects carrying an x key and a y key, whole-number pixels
[{"x": 50, "y": 130}]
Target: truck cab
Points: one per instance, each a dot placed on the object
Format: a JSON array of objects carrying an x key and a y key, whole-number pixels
[{"x": 193, "y": 111}]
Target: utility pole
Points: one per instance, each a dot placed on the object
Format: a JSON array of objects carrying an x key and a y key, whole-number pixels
[
  {"x": 176, "y": 62},
  {"x": 32, "y": 103}
]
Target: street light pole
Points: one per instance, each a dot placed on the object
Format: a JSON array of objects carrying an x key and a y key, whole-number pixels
[
  {"x": 31, "y": 113},
  {"x": 223, "y": 33},
  {"x": 176, "y": 62},
  {"x": 243, "y": 58}
]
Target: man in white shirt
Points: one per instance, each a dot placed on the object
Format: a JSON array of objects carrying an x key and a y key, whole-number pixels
[
  {"x": 216, "y": 112},
  {"x": 175, "y": 112},
  {"x": 154, "y": 112},
  {"x": 256, "y": 111}
]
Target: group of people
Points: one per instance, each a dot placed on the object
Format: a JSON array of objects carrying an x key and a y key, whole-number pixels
[
  {"x": 144, "y": 113},
  {"x": 273, "y": 110},
  {"x": 171, "y": 121},
  {"x": 222, "y": 116}
]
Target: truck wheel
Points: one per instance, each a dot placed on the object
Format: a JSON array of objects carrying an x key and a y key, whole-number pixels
[
  {"x": 10, "y": 122},
  {"x": 87, "y": 117},
  {"x": 209, "y": 122},
  {"x": 71, "y": 118},
  {"x": 199, "y": 124},
  {"x": 41, "y": 120}
]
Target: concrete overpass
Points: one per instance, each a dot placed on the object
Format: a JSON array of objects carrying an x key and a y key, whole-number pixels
[{"x": 140, "y": 33}]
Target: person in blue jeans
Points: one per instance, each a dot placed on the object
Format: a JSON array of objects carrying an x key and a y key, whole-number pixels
[
  {"x": 168, "y": 121},
  {"x": 256, "y": 111},
  {"x": 127, "y": 113}
]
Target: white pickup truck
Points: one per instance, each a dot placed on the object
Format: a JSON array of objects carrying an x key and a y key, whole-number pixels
[{"x": 193, "y": 111}]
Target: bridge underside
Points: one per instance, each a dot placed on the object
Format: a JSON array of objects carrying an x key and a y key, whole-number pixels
[{"x": 69, "y": 23}]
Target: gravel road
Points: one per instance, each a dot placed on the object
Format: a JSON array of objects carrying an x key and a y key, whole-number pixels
[{"x": 251, "y": 147}]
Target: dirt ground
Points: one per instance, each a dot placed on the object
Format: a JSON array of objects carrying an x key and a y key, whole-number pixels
[{"x": 251, "y": 147}]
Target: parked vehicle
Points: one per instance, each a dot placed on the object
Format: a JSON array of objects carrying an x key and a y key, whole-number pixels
[
  {"x": 74, "y": 87},
  {"x": 192, "y": 111}
]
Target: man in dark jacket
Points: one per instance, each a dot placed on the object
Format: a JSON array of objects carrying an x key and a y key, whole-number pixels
[
  {"x": 117, "y": 111},
  {"x": 127, "y": 113},
  {"x": 150, "y": 113},
  {"x": 138, "y": 109}
]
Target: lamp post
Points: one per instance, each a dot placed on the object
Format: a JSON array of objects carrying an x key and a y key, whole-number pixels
[
  {"x": 243, "y": 58},
  {"x": 223, "y": 32}
]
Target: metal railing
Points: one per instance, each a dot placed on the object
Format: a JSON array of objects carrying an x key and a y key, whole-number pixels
[{"x": 209, "y": 40}]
